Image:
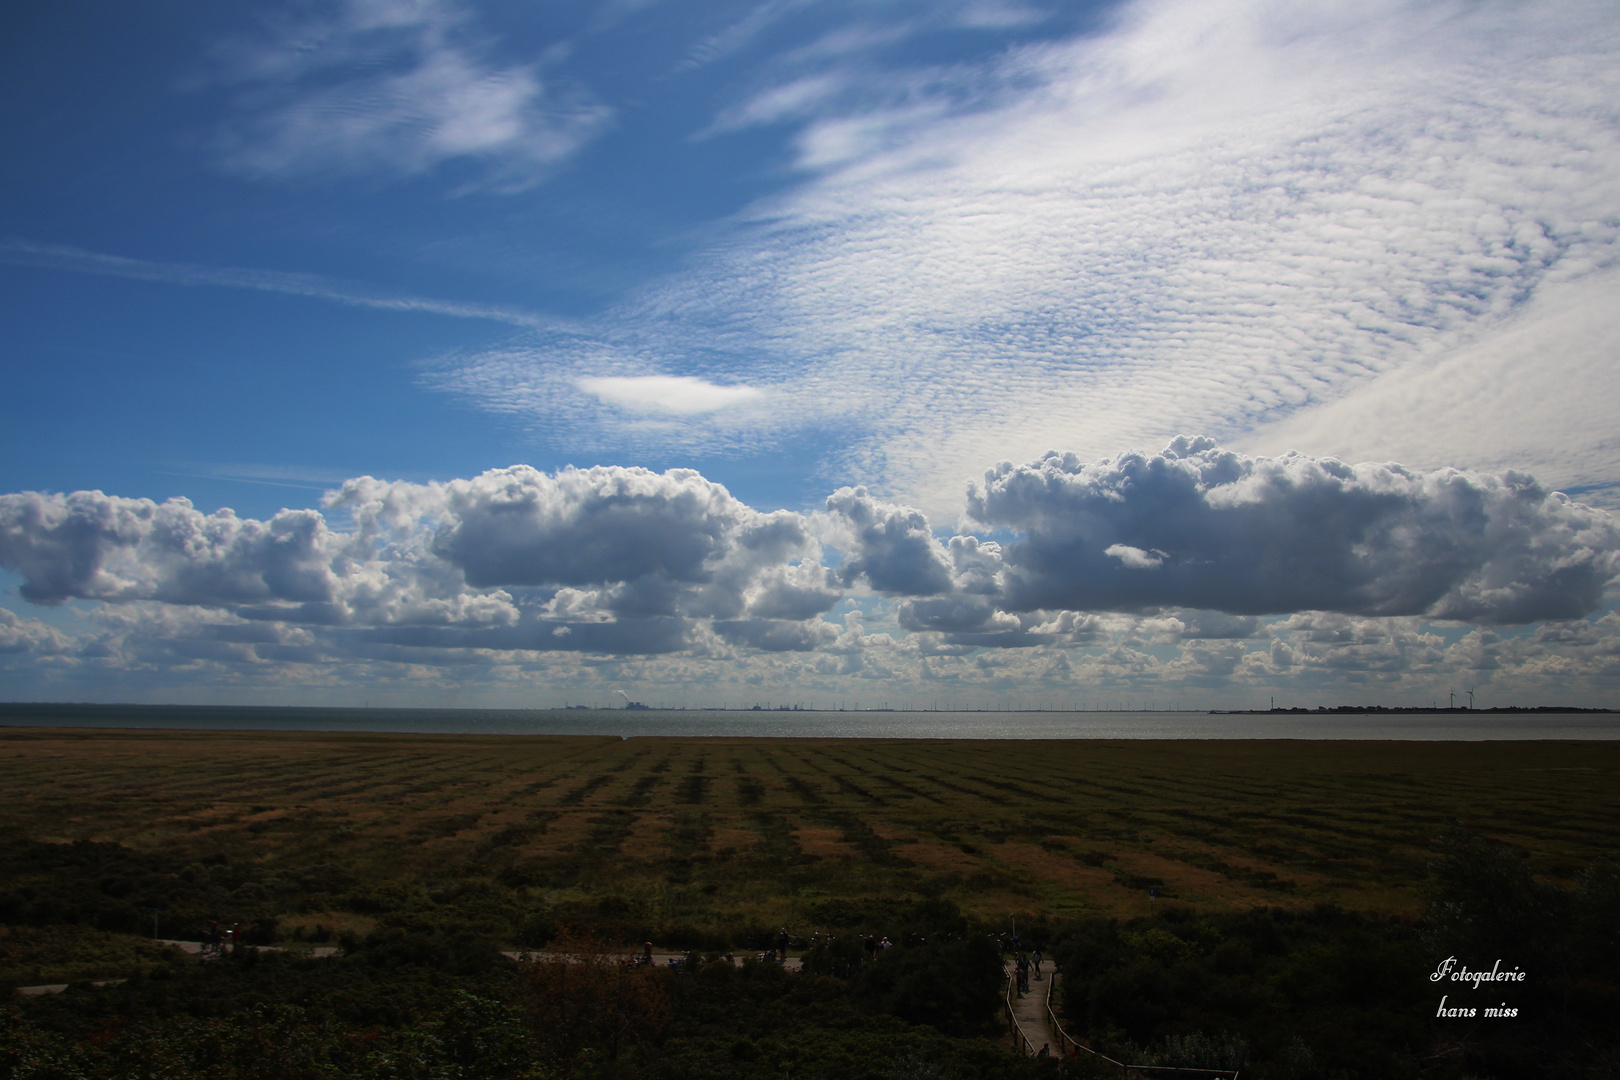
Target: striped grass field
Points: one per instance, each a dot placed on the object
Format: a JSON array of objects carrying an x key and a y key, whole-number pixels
[{"x": 718, "y": 831}]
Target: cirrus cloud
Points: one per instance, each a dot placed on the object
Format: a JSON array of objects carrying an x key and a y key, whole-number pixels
[
  {"x": 382, "y": 86},
  {"x": 1195, "y": 218}
]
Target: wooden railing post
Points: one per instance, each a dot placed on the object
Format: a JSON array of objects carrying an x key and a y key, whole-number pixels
[{"x": 1020, "y": 1040}]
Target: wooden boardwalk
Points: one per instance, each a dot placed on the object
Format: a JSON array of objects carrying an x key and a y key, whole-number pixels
[{"x": 1028, "y": 1012}]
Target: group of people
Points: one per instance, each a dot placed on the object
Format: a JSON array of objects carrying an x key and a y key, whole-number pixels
[
  {"x": 875, "y": 947},
  {"x": 216, "y": 939},
  {"x": 779, "y": 952},
  {"x": 1023, "y": 966},
  {"x": 687, "y": 962}
]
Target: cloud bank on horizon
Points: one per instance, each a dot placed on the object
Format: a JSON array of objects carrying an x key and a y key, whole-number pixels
[{"x": 505, "y": 570}]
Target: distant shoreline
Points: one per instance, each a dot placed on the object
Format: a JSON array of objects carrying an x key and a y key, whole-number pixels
[
  {"x": 1355, "y": 723},
  {"x": 63, "y": 708},
  {"x": 1430, "y": 710}
]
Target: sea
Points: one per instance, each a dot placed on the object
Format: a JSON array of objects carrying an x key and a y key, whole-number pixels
[{"x": 1455, "y": 726}]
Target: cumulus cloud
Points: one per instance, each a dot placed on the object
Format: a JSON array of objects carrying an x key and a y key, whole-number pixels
[
  {"x": 1200, "y": 527},
  {"x": 98, "y": 547},
  {"x": 20, "y": 635},
  {"x": 520, "y": 559},
  {"x": 1132, "y": 571},
  {"x": 1214, "y": 625},
  {"x": 777, "y": 635},
  {"x": 605, "y": 560},
  {"x": 792, "y": 592},
  {"x": 889, "y": 547},
  {"x": 1341, "y": 644}
]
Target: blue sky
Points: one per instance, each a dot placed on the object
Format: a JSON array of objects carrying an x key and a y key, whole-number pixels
[{"x": 839, "y": 260}]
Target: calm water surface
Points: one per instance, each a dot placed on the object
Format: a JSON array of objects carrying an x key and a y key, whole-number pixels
[{"x": 885, "y": 725}]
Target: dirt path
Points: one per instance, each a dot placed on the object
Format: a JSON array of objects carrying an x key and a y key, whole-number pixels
[
  {"x": 660, "y": 958},
  {"x": 195, "y": 948}
]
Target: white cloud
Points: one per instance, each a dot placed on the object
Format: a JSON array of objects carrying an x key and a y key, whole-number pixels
[
  {"x": 21, "y": 635},
  {"x": 501, "y": 560},
  {"x": 1130, "y": 573},
  {"x": 63, "y": 257},
  {"x": 1204, "y": 218},
  {"x": 1318, "y": 644},
  {"x": 91, "y": 546},
  {"x": 1134, "y": 557},
  {"x": 994, "y": 15},
  {"x": 1542, "y": 394},
  {"x": 740, "y": 33},
  {"x": 396, "y": 88},
  {"x": 890, "y": 547},
  {"x": 1199, "y": 527},
  {"x": 789, "y": 101},
  {"x": 679, "y": 395}
]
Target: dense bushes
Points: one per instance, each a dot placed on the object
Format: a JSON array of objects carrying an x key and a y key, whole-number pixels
[
  {"x": 470, "y": 1037},
  {"x": 954, "y": 986},
  {"x": 28, "y": 954},
  {"x": 1331, "y": 993},
  {"x": 1350, "y": 987},
  {"x": 1489, "y": 907},
  {"x": 1285, "y": 995},
  {"x": 111, "y": 887},
  {"x": 274, "y": 1017},
  {"x": 101, "y": 885}
]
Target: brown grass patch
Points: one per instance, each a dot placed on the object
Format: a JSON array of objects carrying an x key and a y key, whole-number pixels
[
  {"x": 561, "y": 836},
  {"x": 1067, "y": 873},
  {"x": 736, "y": 840},
  {"x": 648, "y": 839},
  {"x": 824, "y": 842},
  {"x": 942, "y": 858}
]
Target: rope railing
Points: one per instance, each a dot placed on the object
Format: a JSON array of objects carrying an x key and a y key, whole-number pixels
[{"x": 1074, "y": 1046}]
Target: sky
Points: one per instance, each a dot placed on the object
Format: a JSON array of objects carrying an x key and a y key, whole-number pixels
[{"x": 1156, "y": 353}]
